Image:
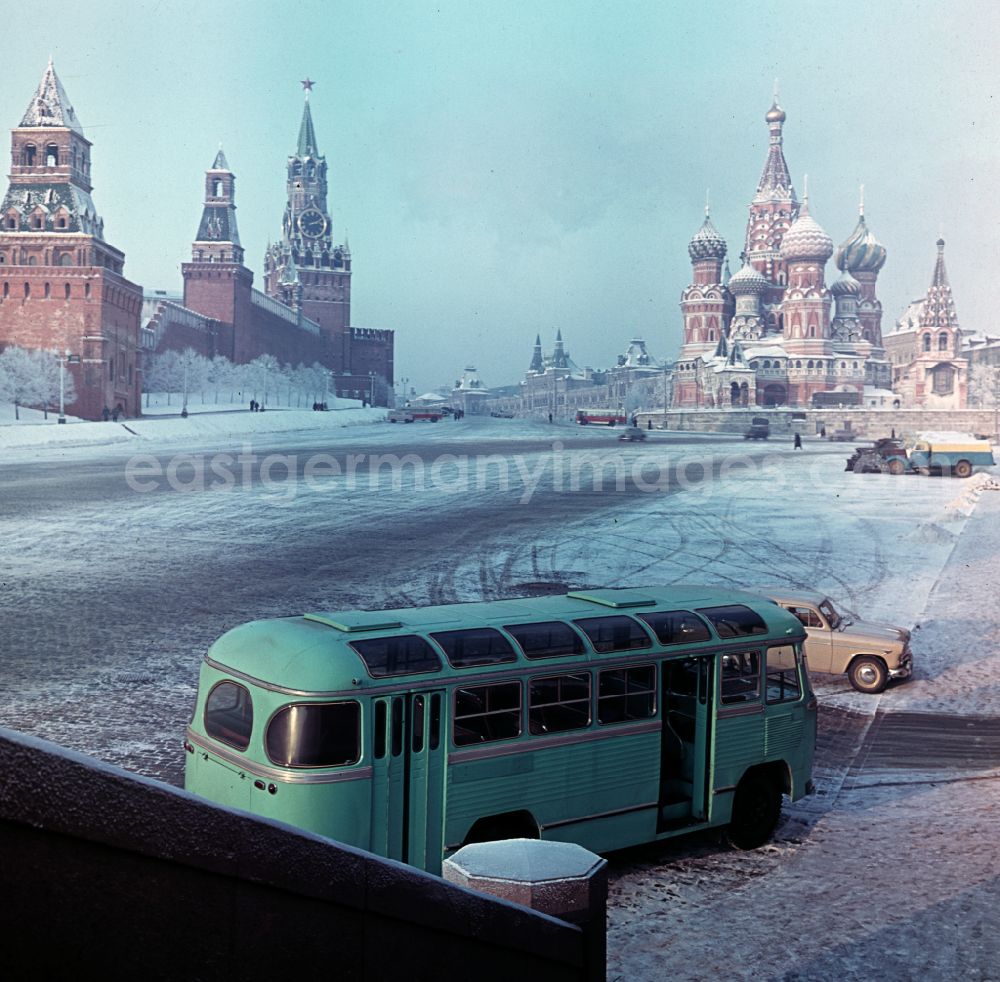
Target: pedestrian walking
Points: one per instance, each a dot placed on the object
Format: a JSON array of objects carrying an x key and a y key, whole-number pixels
[
  {"x": 822, "y": 432},
  {"x": 105, "y": 414},
  {"x": 798, "y": 442}
]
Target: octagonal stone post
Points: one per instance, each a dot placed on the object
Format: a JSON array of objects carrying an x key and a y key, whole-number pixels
[{"x": 561, "y": 879}]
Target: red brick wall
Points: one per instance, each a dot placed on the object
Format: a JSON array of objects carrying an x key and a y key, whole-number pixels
[{"x": 99, "y": 321}]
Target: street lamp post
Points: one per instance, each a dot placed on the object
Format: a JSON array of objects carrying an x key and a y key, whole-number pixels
[
  {"x": 403, "y": 383},
  {"x": 62, "y": 386},
  {"x": 64, "y": 360},
  {"x": 371, "y": 388}
]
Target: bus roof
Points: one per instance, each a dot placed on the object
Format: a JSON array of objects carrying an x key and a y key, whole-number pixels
[{"x": 311, "y": 652}]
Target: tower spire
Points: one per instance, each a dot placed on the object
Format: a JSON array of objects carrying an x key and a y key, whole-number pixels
[
  {"x": 307, "y": 134},
  {"x": 775, "y": 181}
]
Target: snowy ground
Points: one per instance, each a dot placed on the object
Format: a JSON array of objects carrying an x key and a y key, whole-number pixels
[{"x": 860, "y": 876}]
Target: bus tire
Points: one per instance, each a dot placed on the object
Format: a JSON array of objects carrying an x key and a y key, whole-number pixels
[
  {"x": 868, "y": 674},
  {"x": 513, "y": 825},
  {"x": 963, "y": 469},
  {"x": 756, "y": 810}
]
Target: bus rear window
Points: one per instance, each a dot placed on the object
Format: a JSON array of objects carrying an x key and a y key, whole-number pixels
[
  {"x": 546, "y": 640},
  {"x": 614, "y": 633},
  {"x": 677, "y": 626},
  {"x": 229, "y": 715},
  {"x": 309, "y": 734},
  {"x": 487, "y": 712},
  {"x": 625, "y": 694},
  {"x": 404, "y": 655},
  {"x": 480, "y": 646},
  {"x": 734, "y": 621}
]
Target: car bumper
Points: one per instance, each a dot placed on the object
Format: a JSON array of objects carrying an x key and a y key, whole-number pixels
[{"x": 905, "y": 669}]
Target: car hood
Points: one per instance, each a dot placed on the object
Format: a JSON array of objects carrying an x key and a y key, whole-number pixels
[{"x": 865, "y": 630}]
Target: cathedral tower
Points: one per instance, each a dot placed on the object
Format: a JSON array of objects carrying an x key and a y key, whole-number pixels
[
  {"x": 63, "y": 286},
  {"x": 772, "y": 211},
  {"x": 307, "y": 264}
]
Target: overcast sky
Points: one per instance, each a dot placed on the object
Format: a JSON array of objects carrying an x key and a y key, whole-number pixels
[{"x": 507, "y": 168}]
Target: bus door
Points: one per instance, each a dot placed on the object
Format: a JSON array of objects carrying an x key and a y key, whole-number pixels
[
  {"x": 407, "y": 808},
  {"x": 686, "y": 749}
]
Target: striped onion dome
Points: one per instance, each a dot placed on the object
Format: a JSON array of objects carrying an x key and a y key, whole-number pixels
[
  {"x": 846, "y": 285},
  {"x": 861, "y": 250}
]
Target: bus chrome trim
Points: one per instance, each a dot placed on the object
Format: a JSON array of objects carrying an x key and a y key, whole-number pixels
[
  {"x": 612, "y": 814},
  {"x": 725, "y": 790},
  {"x": 544, "y": 741},
  {"x": 285, "y": 775},
  {"x": 752, "y": 710}
]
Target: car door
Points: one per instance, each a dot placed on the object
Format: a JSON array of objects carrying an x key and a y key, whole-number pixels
[{"x": 819, "y": 638}]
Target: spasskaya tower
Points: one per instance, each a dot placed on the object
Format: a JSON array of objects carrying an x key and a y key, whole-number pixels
[{"x": 307, "y": 269}]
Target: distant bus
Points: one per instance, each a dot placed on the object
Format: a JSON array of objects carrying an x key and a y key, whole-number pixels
[
  {"x": 602, "y": 717},
  {"x": 831, "y": 400},
  {"x": 600, "y": 417}
]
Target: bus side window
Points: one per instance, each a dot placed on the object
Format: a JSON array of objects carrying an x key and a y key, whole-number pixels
[
  {"x": 782, "y": 674},
  {"x": 625, "y": 694},
  {"x": 677, "y": 627},
  {"x": 487, "y": 712},
  {"x": 740, "y": 676},
  {"x": 546, "y": 639},
  {"x": 397, "y": 726},
  {"x": 229, "y": 715},
  {"x": 479, "y": 646},
  {"x": 616, "y": 633},
  {"x": 380, "y": 720},
  {"x": 435, "y": 735},
  {"x": 734, "y": 620},
  {"x": 559, "y": 702},
  {"x": 417, "y": 725}
]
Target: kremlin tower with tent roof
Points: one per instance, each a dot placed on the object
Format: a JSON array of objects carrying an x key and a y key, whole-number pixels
[{"x": 768, "y": 336}]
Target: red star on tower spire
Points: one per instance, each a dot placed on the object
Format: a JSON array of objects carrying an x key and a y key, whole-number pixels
[{"x": 307, "y": 84}]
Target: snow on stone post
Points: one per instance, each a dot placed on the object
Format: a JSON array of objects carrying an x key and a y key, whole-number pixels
[{"x": 561, "y": 879}]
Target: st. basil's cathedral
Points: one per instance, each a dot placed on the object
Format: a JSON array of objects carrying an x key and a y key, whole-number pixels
[{"x": 767, "y": 336}]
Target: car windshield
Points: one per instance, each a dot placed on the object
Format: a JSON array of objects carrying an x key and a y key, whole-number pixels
[{"x": 830, "y": 613}]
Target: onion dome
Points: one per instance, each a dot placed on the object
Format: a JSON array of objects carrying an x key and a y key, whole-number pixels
[
  {"x": 806, "y": 238},
  {"x": 861, "y": 250},
  {"x": 707, "y": 243},
  {"x": 775, "y": 114},
  {"x": 846, "y": 285},
  {"x": 748, "y": 280}
]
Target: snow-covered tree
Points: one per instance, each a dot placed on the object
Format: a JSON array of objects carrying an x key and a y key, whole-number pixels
[
  {"x": 222, "y": 375},
  {"x": 164, "y": 374},
  {"x": 19, "y": 378},
  {"x": 47, "y": 366},
  {"x": 194, "y": 369}
]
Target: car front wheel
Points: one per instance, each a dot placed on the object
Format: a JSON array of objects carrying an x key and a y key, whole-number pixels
[{"x": 868, "y": 674}]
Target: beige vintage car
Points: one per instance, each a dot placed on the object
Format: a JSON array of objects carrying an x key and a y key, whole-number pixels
[{"x": 870, "y": 654}]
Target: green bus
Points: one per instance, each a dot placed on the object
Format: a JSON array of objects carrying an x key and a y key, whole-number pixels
[{"x": 606, "y": 717}]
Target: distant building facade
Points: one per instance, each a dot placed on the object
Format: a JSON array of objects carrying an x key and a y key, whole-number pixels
[
  {"x": 929, "y": 368},
  {"x": 63, "y": 285},
  {"x": 775, "y": 333}
]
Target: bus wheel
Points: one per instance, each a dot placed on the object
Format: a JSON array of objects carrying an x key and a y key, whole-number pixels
[
  {"x": 512, "y": 825},
  {"x": 895, "y": 466},
  {"x": 963, "y": 469},
  {"x": 756, "y": 809},
  {"x": 868, "y": 674}
]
